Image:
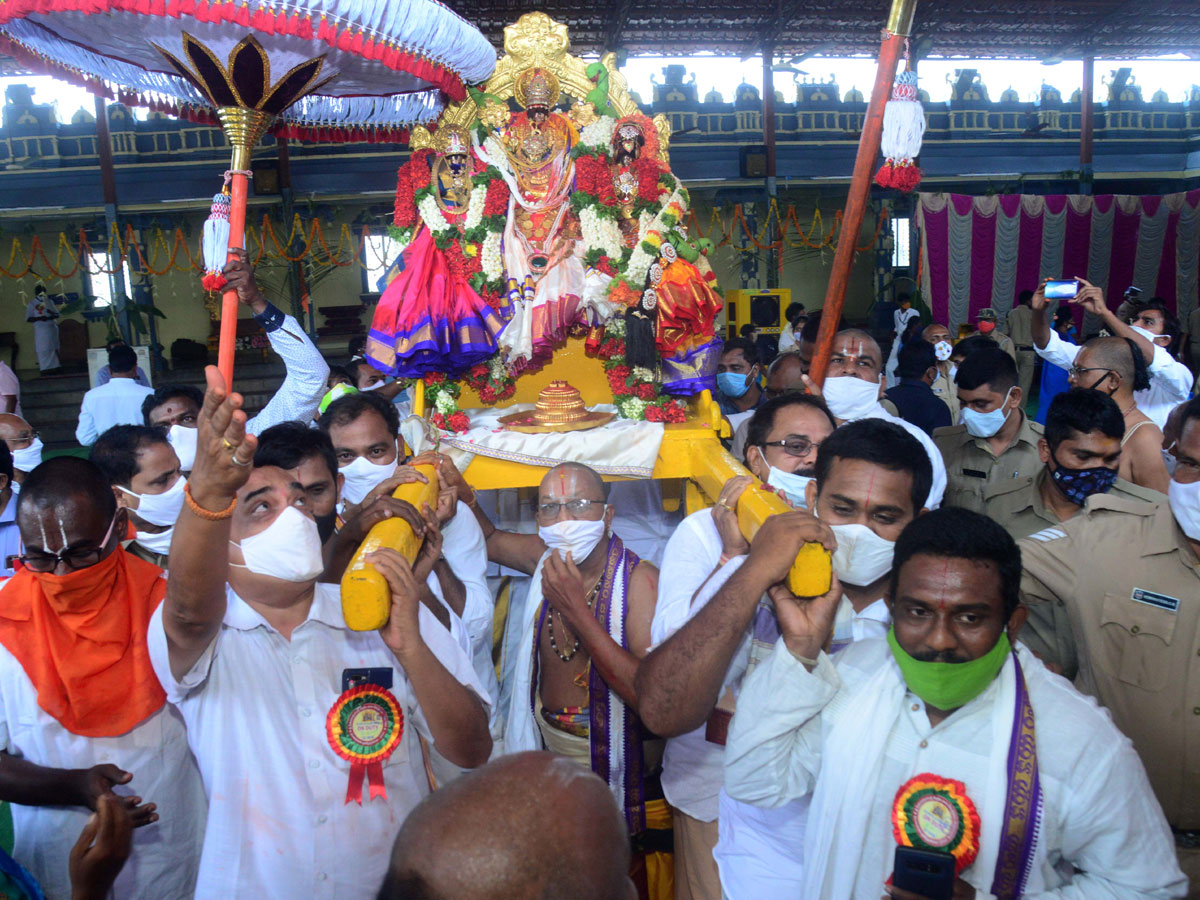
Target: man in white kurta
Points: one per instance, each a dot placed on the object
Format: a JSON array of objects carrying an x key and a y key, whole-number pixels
[
  {"x": 871, "y": 477},
  {"x": 43, "y": 313},
  {"x": 944, "y": 697},
  {"x": 259, "y": 659}
]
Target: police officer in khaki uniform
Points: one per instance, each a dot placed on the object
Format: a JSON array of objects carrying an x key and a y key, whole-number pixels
[
  {"x": 1020, "y": 329},
  {"x": 986, "y": 326},
  {"x": 1114, "y": 600},
  {"x": 1081, "y": 453},
  {"x": 943, "y": 386},
  {"x": 996, "y": 443}
]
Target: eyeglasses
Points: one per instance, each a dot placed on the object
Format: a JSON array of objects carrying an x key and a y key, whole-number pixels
[
  {"x": 77, "y": 558},
  {"x": 24, "y": 440},
  {"x": 793, "y": 446},
  {"x": 1077, "y": 371},
  {"x": 576, "y": 509}
]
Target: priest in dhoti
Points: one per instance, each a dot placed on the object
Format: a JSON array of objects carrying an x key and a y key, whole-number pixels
[
  {"x": 42, "y": 311},
  {"x": 572, "y": 649},
  {"x": 947, "y": 736}
]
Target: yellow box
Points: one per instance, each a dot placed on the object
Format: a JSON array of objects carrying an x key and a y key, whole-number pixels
[{"x": 764, "y": 309}]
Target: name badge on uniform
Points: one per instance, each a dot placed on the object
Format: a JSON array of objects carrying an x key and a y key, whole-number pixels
[
  {"x": 974, "y": 473},
  {"x": 1150, "y": 598},
  {"x": 364, "y": 727}
]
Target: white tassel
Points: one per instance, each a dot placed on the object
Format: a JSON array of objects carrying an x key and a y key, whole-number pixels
[
  {"x": 903, "y": 129},
  {"x": 214, "y": 244}
]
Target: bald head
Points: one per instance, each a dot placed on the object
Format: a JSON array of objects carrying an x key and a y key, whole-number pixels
[
  {"x": 582, "y": 475},
  {"x": 784, "y": 375},
  {"x": 1111, "y": 353},
  {"x": 12, "y": 427},
  {"x": 530, "y": 825}
]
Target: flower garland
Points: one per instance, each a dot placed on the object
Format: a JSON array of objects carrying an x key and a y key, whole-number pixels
[
  {"x": 636, "y": 392},
  {"x": 491, "y": 380},
  {"x": 441, "y": 399},
  {"x": 472, "y": 248}
]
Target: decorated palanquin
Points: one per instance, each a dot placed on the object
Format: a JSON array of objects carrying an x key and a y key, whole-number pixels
[{"x": 541, "y": 224}]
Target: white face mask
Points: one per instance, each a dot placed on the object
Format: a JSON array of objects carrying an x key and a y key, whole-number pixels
[
  {"x": 363, "y": 476},
  {"x": 159, "y": 542},
  {"x": 942, "y": 350},
  {"x": 1185, "y": 504},
  {"x": 28, "y": 458},
  {"x": 373, "y": 387},
  {"x": 183, "y": 440},
  {"x": 986, "y": 424},
  {"x": 850, "y": 398},
  {"x": 791, "y": 485},
  {"x": 1148, "y": 335},
  {"x": 288, "y": 549},
  {"x": 160, "y": 509},
  {"x": 578, "y": 537},
  {"x": 862, "y": 557}
]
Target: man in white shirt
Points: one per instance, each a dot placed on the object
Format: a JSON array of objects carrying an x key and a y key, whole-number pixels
[
  {"x": 82, "y": 714},
  {"x": 942, "y": 738},
  {"x": 871, "y": 479},
  {"x": 1170, "y": 380},
  {"x": 364, "y": 430},
  {"x": 295, "y": 401},
  {"x": 258, "y": 659},
  {"x": 117, "y": 402},
  {"x": 852, "y": 391}
]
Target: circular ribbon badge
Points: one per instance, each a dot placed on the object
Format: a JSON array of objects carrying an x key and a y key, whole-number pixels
[
  {"x": 364, "y": 727},
  {"x": 935, "y": 813}
]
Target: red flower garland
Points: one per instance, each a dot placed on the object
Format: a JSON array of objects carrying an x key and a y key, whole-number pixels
[{"x": 648, "y": 171}]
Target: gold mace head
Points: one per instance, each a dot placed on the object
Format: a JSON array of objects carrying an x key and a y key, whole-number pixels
[{"x": 243, "y": 127}]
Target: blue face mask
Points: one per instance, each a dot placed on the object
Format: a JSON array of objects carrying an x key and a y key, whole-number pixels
[
  {"x": 791, "y": 484},
  {"x": 1079, "y": 484},
  {"x": 985, "y": 425},
  {"x": 733, "y": 384}
]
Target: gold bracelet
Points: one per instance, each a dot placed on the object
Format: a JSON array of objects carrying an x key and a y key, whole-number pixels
[{"x": 203, "y": 513}]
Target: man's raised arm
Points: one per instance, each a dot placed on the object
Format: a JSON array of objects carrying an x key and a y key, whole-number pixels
[
  {"x": 679, "y": 682},
  {"x": 195, "y": 603}
]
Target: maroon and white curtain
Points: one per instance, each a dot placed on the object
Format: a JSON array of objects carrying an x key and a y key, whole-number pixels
[{"x": 983, "y": 251}]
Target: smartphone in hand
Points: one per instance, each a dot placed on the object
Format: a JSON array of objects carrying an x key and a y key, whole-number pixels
[
  {"x": 1062, "y": 290},
  {"x": 926, "y": 872}
]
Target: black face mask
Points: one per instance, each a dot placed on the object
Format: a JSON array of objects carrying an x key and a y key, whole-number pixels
[
  {"x": 326, "y": 525},
  {"x": 1096, "y": 384}
]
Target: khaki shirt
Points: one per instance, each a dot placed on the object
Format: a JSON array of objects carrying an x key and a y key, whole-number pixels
[
  {"x": 1020, "y": 326},
  {"x": 972, "y": 472},
  {"x": 1114, "y": 598},
  {"x": 1020, "y": 509}
]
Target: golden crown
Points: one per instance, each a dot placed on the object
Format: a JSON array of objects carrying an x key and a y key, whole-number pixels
[
  {"x": 451, "y": 140},
  {"x": 537, "y": 87}
]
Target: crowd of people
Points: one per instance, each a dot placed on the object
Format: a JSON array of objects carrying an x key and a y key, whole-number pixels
[{"x": 1003, "y": 670}]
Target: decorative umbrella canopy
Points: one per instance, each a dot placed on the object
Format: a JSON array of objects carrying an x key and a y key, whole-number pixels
[
  {"x": 327, "y": 69},
  {"x": 376, "y": 66}
]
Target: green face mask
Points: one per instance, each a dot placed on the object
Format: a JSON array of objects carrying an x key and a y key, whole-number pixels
[{"x": 948, "y": 686}]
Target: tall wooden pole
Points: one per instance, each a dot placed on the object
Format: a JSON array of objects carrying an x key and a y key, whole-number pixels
[
  {"x": 768, "y": 60},
  {"x": 1086, "y": 124},
  {"x": 108, "y": 189},
  {"x": 898, "y": 26}
]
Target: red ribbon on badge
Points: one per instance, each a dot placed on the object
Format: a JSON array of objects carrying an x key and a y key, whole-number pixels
[{"x": 364, "y": 727}]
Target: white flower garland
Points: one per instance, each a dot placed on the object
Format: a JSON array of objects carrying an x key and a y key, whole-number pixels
[
  {"x": 600, "y": 233},
  {"x": 475, "y": 207},
  {"x": 490, "y": 259},
  {"x": 431, "y": 215},
  {"x": 599, "y": 133}
]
